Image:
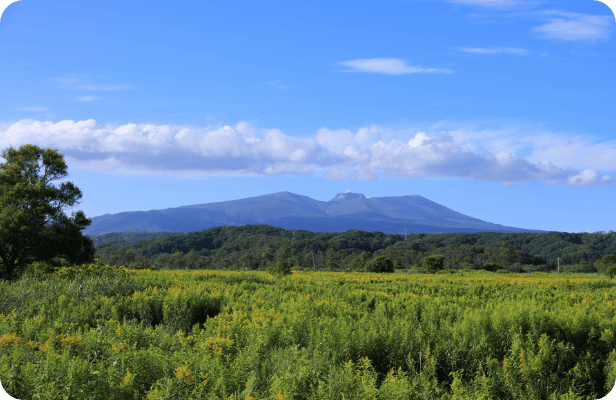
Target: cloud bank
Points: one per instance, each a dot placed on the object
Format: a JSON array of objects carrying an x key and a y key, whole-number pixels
[{"x": 368, "y": 154}]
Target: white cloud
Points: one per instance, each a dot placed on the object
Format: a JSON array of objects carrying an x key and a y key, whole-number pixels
[
  {"x": 86, "y": 99},
  {"x": 390, "y": 66},
  {"x": 575, "y": 26},
  {"x": 495, "y": 50},
  {"x": 34, "y": 108},
  {"x": 588, "y": 177},
  {"x": 367, "y": 154}
]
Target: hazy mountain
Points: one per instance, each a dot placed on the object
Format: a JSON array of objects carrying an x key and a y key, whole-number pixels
[{"x": 292, "y": 211}]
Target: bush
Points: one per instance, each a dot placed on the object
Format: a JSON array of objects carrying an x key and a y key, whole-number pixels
[
  {"x": 490, "y": 266},
  {"x": 279, "y": 269},
  {"x": 433, "y": 263},
  {"x": 380, "y": 264},
  {"x": 42, "y": 268},
  {"x": 611, "y": 271},
  {"x": 416, "y": 269}
]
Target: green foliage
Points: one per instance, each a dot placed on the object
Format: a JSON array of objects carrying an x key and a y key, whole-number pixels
[
  {"x": 32, "y": 225},
  {"x": 611, "y": 272},
  {"x": 603, "y": 264},
  {"x": 467, "y": 266},
  {"x": 490, "y": 266},
  {"x": 254, "y": 247},
  {"x": 433, "y": 263},
  {"x": 380, "y": 264},
  {"x": 242, "y": 335},
  {"x": 279, "y": 269}
]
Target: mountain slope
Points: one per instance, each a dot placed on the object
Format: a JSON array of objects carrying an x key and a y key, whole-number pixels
[{"x": 292, "y": 211}]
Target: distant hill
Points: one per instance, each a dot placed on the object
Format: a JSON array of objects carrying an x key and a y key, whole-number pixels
[{"x": 346, "y": 211}]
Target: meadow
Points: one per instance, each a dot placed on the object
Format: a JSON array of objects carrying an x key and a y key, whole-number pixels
[{"x": 113, "y": 333}]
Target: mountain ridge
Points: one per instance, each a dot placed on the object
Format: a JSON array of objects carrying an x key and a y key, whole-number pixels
[{"x": 288, "y": 210}]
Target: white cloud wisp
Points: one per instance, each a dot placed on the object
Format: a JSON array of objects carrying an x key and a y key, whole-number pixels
[{"x": 389, "y": 66}]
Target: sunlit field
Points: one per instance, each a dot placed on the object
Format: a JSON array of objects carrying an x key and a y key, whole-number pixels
[{"x": 310, "y": 335}]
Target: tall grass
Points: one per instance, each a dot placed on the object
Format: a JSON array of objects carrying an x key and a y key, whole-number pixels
[{"x": 230, "y": 335}]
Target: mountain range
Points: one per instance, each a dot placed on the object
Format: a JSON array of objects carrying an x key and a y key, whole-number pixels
[{"x": 411, "y": 214}]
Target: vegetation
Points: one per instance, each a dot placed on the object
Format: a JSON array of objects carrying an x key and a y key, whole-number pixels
[
  {"x": 32, "y": 225},
  {"x": 254, "y": 247},
  {"x": 104, "y": 333},
  {"x": 78, "y": 325}
]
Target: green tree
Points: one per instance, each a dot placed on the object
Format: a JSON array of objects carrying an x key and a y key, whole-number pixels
[
  {"x": 586, "y": 266},
  {"x": 467, "y": 266},
  {"x": 380, "y": 264},
  {"x": 248, "y": 261},
  {"x": 283, "y": 253},
  {"x": 359, "y": 261},
  {"x": 308, "y": 261},
  {"x": 266, "y": 256},
  {"x": 192, "y": 258},
  {"x": 178, "y": 261},
  {"x": 279, "y": 269},
  {"x": 604, "y": 263},
  {"x": 33, "y": 226},
  {"x": 163, "y": 260},
  {"x": 489, "y": 266},
  {"x": 433, "y": 263}
]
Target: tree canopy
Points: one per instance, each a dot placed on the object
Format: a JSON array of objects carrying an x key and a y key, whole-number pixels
[{"x": 33, "y": 226}]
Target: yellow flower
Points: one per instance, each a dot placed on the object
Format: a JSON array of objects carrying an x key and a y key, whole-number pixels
[{"x": 184, "y": 374}]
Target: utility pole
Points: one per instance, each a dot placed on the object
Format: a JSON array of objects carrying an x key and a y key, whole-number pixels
[{"x": 404, "y": 232}]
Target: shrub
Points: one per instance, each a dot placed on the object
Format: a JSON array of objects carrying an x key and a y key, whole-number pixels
[
  {"x": 490, "y": 266},
  {"x": 279, "y": 269},
  {"x": 611, "y": 271},
  {"x": 433, "y": 263},
  {"x": 380, "y": 264}
]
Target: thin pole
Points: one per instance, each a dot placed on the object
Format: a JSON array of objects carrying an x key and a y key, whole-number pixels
[{"x": 559, "y": 265}]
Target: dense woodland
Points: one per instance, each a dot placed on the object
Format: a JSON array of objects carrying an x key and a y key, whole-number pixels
[{"x": 254, "y": 247}]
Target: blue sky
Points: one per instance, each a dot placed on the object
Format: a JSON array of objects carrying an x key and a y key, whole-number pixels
[{"x": 502, "y": 110}]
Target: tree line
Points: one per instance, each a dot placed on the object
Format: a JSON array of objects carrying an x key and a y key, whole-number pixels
[
  {"x": 33, "y": 228},
  {"x": 258, "y": 246}
]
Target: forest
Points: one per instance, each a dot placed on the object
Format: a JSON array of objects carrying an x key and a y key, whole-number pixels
[{"x": 254, "y": 247}]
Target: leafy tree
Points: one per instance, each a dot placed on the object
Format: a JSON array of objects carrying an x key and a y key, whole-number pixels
[
  {"x": 163, "y": 260},
  {"x": 266, "y": 256},
  {"x": 611, "y": 271},
  {"x": 605, "y": 263},
  {"x": 283, "y": 253},
  {"x": 433, "y": 263},
  {"x": 380, "y": 264},
  {"x": 587, "y": 266},
  {"x": 331, "y": 264},
  {"x": 490, "y": 266},
  {"x": 308, "y": 261},
  {"x": 32, "y": 224},
  {"x": 192, "y": 258},
  {"x": 359, "y": 261},
  {"x": 248, "y": 261},
  {"x": 279, "y": 269},
  {"x": 467, "y": 265}
]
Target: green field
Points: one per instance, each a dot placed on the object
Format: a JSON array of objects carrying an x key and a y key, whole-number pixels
[{"x": 310, "y": 335}]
